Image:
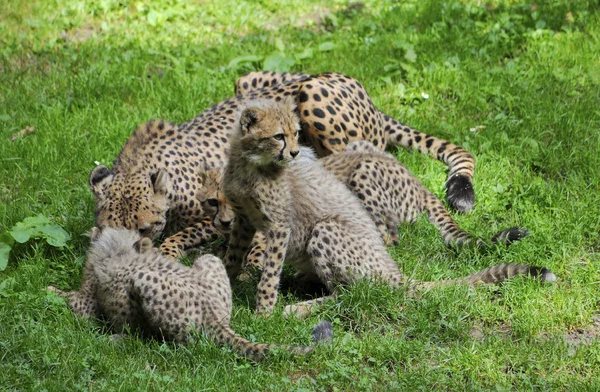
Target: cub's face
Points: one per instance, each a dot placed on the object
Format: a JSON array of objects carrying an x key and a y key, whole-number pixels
[
  {"x": 136, "y": 202},
  {"x": 270, "y": 132},
  {"x": 213, "y": 201}
]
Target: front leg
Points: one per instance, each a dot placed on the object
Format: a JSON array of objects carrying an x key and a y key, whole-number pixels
[
  {"x": 83, "y": 301},
  {"x": 198, "y": 234},
  {"x": 239, "y": 241},
  {"x": 275, "y": 250},
  {"x": 256, "y": 255}
]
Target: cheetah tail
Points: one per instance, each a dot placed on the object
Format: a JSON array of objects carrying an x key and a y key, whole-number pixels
[
  {"x": 322, "y": 333},
  {"x": 440, "y": 218},
  {"x": 461, "y": 164},
  {"x": 496, "y": 274},
  {"x": 509, "y": 236},
  {"x": 454, "y": 235}
]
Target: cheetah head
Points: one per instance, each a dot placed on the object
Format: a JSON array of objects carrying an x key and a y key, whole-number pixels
[
  {"x": 110, "y": 242},
  {"x": 269, "y": 132},
  {"x": 135, "y": 201},
  {"x": 213, "y": 201}
]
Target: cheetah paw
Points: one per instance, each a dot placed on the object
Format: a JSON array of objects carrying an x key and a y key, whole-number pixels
[{"x": 298, "y": 311}]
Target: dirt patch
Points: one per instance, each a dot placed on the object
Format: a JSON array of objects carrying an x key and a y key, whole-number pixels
[
  {"x": 503, "y": 331},
  {"x": 574, "y": 338},
  {"x": 22, "y": 133},
  {"x": 79, "y": 34},
  {"x": 584, "y": 336},
  {"x": 29, "y": 62}
]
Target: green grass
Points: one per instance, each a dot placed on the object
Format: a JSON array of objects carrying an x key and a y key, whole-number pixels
[{"x": 529, "y": 73}]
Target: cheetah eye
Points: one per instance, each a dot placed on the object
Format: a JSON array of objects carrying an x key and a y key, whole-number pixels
[
  {"x": 212, "y": 202},
  {"x": 279, "y": 136}
]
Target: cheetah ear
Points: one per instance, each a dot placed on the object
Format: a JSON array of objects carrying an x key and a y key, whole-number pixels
[
  {"x": 201, "y": 195},
  {"x": 203, "y": 172},
  {"x": 290, "y": 102},
  {"x": 161, "y": 182},
  {"x": 249, "y": 118},
  {"x": 94, "y": 233},
  {"x": 100, "y": 175},
  {"x": 101, "y": 272},
  {"x": 143, "y": 246}
]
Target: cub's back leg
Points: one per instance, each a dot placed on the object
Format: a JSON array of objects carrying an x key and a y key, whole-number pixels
[
  {"x": 389, "y": 193},
  {"x": 341, "y": 258}
]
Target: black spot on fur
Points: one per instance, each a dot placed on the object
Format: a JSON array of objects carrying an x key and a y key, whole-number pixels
[{"x": 318, "y": 113}]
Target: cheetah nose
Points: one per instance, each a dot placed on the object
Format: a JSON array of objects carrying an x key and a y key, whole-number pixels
[
  {"x": 225, "y": 223},
  {"x": 294, "y": 153}
]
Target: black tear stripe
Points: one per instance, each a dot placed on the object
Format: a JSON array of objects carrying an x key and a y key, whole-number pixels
[
  {"x": 283, "y": 148},
  {"x": 216, "y": 213}
]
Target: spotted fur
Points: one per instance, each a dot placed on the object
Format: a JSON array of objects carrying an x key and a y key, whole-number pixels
[
  {"x": 130, "y": 284},
  {"x": 153, "y": 183},
  {"x": 392, "y": 195},
  {"x": 335, "y": 110},
  {"x": 307, "y": 216}
]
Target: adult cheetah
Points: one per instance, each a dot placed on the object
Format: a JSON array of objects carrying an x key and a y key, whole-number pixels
[
  {"x": 307, "y": 216},
  {"x": 153, "y": 182},
  {"x": 129, "y": 283}
]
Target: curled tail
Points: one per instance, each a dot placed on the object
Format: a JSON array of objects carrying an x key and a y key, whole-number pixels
[
  {"x": 496, "y": 274},
  {"x": 322, "y": 332},
  {"x": 453, "y": 234},
  {"x": 461, "y": 164}
]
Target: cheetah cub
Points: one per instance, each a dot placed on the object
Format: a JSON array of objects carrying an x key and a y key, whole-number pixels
[
  {"x": 391, "y": 195},
  {"x": 306, "y": 215},
  {"x": 130, "y": 283}
]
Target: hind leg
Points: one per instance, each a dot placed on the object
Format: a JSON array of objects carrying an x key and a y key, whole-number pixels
[
  {"x": 392, "y": 228},
  {"x": 369, "y": 182},
  {"x": 388, "y": 230},
  {"x": 339, "y": 257},
  {"x": 239, "y": 241}
]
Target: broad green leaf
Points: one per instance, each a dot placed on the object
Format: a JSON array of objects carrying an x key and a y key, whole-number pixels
[
  {"x": 7, "y": 238},
  {"x": 278, "y": 62},
  {"x": 400, "y": 90},
  {"x": 327, "y": 46},
  {"x": 55, "y": 235},
  {"x": 279, "y": 45},
  {"x": 152, "y": 17},
  {"x": 21, "y": 236},
  {"x": 306, "y": 54},
  {"x": 251, "y": 58},
  {"x": 4, "y": 251},
  {"x": 386, "y": 79},
  {"x": 410, "y": 54},
  {"x": 32, "y": 221},
  {"x": 408, "y": 68}
]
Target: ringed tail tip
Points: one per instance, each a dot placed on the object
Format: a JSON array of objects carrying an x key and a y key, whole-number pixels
[
  {"x": 460, "y": 193},
  {"x": 547, "y": 276},
  {"x": 511, "y": 235},
  {"x": 323, "y": 333}
]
